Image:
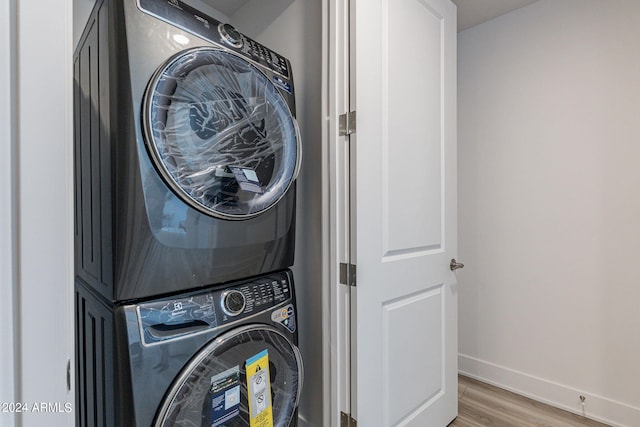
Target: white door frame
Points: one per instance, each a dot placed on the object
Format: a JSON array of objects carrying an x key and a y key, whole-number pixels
[
  {"x": 36, "y": 210},
  {"x": 7, "y": 205},
  {"x": 337, "y": 195}
]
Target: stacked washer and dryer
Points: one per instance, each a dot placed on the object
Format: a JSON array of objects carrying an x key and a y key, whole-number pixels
[{"x": 186, "y": 154}]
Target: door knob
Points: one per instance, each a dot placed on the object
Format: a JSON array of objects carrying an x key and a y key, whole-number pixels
[{"x": 455, "y": 265}]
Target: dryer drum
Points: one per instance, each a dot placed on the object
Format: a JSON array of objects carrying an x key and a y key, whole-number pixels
[
  {"x": 220, "y": 133},
  {"x": 189, "y": 401}
]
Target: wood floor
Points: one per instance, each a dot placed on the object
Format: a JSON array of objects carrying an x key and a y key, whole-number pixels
[{"x": 482, "y": 405}]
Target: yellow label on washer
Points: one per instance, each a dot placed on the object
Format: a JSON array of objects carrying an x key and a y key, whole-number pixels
[{"x": 259, "y": 390}]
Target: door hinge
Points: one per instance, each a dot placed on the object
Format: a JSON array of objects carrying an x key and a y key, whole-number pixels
[
  {"x": 347, "y": 123},
  {"x": 348, "y": 274},
  {"x": 347, "y": 421}
]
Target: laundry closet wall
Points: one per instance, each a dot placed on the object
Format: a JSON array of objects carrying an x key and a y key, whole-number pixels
[{"x": 296, "y": 34}]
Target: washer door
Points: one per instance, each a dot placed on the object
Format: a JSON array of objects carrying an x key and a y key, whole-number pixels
[
  {"x": 220, "y": 133},
  {"x": 212, "y": 389}
]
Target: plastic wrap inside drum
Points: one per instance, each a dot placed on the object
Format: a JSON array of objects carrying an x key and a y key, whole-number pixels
[{"x": 221, "y": 134}]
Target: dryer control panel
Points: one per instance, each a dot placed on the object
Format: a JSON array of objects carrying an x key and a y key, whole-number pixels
[
  {"x": 269, "y": 296},
  {"x": 187, "y": 18}
]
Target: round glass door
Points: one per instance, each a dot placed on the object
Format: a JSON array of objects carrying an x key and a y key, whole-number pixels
[
  {"x": 220, "y": 133},
  {"x": 253, "y": 371}
]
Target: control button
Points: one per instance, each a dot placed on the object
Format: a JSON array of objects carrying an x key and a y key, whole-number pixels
[
  {"x": 230, "y": 35},
  {"x": 233, "y": 302}
]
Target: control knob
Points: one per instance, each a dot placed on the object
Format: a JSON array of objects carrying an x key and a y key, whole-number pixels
[
  {"x": 230, "y": 35},
  {"x": 233, "y": 302}
]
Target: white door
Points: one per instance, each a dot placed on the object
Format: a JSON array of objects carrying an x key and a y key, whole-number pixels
[{"x": 405, "y": 211}]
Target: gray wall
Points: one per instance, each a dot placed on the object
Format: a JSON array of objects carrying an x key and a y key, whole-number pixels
[
  {"x": 549, "y": 100},
  {"x": 296, "y": 34}
]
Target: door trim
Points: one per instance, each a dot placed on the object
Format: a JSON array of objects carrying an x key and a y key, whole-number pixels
[
  {"x": 43, "y": 257},
  {"x": 8, "y": 207},
  {"x": 337, "y": 198}
]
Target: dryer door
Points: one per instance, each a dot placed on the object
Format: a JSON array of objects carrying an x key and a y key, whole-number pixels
[
  {"x": 252, "y": 366},
  {"x": 220, "y": 133}
]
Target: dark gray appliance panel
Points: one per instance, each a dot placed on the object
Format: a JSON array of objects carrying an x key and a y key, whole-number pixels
[{"x": 134, "y": 237}]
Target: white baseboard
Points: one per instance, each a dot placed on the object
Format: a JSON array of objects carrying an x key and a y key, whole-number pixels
[{"x": 565, "y": 397}]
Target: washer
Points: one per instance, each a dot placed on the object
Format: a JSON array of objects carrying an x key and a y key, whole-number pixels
[
  {"x": 211, "y": 357},
  {"x": 186, "y": 152}
]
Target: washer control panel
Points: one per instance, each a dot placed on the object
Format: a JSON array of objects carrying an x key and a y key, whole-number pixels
[
  {"x": 265, "y": 294},
  {"x": 172, "y": 317},
  {"x": 181, "y": 15}
]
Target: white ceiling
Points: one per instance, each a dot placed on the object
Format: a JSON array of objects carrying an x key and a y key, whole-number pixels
[
  {"x": 470, "y": 12},
  {"x": 474, "y": 12}
]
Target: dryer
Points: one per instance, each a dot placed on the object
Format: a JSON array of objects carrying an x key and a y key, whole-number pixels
[
  {"x": 215, "y": 357},
  {"x": 186, "y": 152}
]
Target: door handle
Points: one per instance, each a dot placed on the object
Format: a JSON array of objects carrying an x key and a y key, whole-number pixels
[{"x": 455, "y": 265}]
